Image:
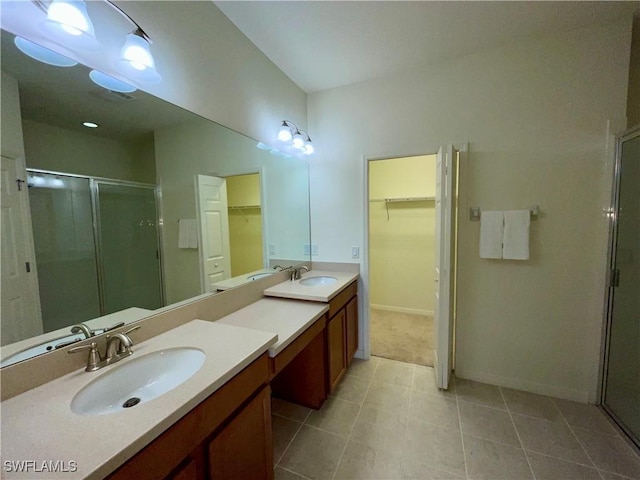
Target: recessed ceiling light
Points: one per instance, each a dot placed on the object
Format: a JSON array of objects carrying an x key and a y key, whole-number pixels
[{"x": 90, "y": 124}]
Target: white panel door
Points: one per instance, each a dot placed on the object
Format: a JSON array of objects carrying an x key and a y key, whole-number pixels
[
  {"x": 446, "y": 174},
  {"x": 21, "y": 315},
  {"x": 213, "y": 224}
]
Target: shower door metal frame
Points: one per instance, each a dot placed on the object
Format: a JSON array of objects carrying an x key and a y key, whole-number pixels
[
  {"x": 609, "y": 291},
  {"x": 95, "y": 211}
]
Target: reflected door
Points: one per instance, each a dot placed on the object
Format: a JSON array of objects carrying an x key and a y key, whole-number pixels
[
  {"x": 622, "y": 374},
  {"x": 129, "y": 246}
]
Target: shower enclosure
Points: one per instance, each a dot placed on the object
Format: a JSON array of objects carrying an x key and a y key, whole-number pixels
[
  {"x": 621, "y": 373},
  {"x": 97, "y": 246}
]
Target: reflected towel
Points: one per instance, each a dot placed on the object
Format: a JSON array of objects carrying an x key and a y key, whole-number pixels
[
  {"x": 187, "y": 233},
  {"x": 491, "y": 232},
  {"x": 516, "y": 235}
]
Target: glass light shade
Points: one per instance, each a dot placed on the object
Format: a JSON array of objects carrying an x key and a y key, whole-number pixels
[
  {"x": 136, "y": 60},
  {"x": 42, "y": 54},
  {"x": 284, "y": 134},
  {"x": 70, "y": 22},
  {"x": 298, "y": 140},
  {"x": 110, "y": 83},
  {"x": 308, "y": 148}
]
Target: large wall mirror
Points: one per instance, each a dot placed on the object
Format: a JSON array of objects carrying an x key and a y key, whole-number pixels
[{"x": 127, "y": 216}]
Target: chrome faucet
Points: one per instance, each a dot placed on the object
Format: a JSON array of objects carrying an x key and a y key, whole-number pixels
[
  {"x": 81, "y": 327},
  {"x": 280, "y": 268},
  {"x": 118, "y": 347},
  {"x": 296, "y": 272}
]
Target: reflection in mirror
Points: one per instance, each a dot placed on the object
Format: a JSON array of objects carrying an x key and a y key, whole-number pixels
[{"x": 114, "y": 211}]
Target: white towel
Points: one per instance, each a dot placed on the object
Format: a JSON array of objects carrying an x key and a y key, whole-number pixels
[
  {"x": 516, "y": 235},
  {"x": 187, "y": 233},
  {"x": 491, "y": 232}
]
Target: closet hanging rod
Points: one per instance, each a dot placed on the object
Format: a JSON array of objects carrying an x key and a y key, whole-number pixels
[{"x": 402, "y": 199}]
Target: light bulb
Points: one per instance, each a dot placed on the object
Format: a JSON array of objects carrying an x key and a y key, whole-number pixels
[
  {"x": 136, "y": 59},
  {"x": 69, "y": 21},
  {"x": 298, "y": 140},
  {"x": 308, "y": 148},
  {"x": 284, "y": 134}
]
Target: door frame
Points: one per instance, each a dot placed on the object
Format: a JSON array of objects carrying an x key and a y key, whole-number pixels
[{"x": 364, "y": 345}]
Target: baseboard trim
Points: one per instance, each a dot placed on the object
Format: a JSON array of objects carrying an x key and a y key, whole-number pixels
[
  {"x": 414, "y": 311},
  {"x": 519, "y": 384}
]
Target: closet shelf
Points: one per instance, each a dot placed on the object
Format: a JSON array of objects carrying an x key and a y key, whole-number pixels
[
  {"x": 240, "y": 208},
  {"x": 387, "y": 201}
]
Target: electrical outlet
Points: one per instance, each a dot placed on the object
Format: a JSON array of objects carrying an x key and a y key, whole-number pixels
[
  {"x": 307, "y": 249},
  {"x": 314, "y": 249},
  {"x": 355, "y": 252},
  {"x": 272, "y": 249}
]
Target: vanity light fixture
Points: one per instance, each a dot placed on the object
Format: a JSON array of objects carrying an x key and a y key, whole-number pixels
[
  {"x": 69, "y": 26},
  {"x": 295, "y": 138}
]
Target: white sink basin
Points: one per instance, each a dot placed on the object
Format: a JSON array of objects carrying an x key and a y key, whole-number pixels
[
  {"x": 39, "y": 349},
  {"x": 256, "y": 276},
  {"x": 138, "y": 381},
  {"x": 319, "y": 281}
]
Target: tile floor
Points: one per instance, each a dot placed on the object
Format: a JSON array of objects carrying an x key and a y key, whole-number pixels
[{"x": 388, "y": 421}]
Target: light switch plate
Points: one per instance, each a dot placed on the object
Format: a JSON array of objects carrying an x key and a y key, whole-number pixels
[{"x": 355, "y": 252}]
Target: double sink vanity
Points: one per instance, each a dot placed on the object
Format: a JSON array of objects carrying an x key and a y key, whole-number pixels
[{"x": 194, "y": 400}]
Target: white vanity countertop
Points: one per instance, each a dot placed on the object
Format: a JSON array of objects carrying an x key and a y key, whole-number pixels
[
  {"x": 240, "y": 279},
  {"x": 287, "y": 318},
  {"x": 322, "y": 293},
  {"x": 39, "y": 425}
]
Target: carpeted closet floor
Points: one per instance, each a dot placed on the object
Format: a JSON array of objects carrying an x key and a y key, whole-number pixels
[{"x": 402, "y": 336}]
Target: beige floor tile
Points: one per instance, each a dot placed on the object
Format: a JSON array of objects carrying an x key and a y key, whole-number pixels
[
  {"x": 289, "y": 410},
  {"x": 424, "y": 381},
  {"x": 388, "y": 397},
  {"x": 550, "y": 438},
  {"x": 382, "y": 430},
  {"x": 283, "y": 431},
  {"x": 363, "y": 368},
  {"x": 494, "y": 461},
  {"x": 548, "y": 468},
  {"x": 488, "y": 423},
  {"x": 392, "y": 372},
  {"x": 314, "y": 453},
  {"x": 352, "y": 389},
  {"x": 480, "y": 393},
  {"x": 414, "y": 470},
  {"x": 525, "y": 403},
  {"x": 367, "y": 462},
  {"x": 282, "y": 474},
  {"x": 610, "y": 453},
  {"x": 613, "y": 476},
  {"x": 434, "y": 446},
  {"x": 434, "y": 409},
  {"x": 582, "y": 415},
  {"x": 335, "y": 416}
]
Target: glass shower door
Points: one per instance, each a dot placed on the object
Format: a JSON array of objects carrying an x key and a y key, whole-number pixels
[
  {"x": 622, "y": 372},
  {"x": 129, "y": 248},
  {"x": 65, "y": 249}
]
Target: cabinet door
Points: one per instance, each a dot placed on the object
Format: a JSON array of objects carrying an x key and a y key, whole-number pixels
[
  {"x": 193, "y": 468},
  {"x": 336, "y": 349},
  {"x": 351, "y": 312},
  {"x": 244, "y": 448}
]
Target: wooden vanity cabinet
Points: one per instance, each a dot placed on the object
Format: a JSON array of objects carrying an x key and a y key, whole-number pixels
[
  {"x": 227, "y": 436},
  {"x": 342, "y": 334}
]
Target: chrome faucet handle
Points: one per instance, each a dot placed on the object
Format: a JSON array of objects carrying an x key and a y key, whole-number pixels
[
  {"x": 94, "y": 359},
  {"x": 278, "y": 268},
  {"x": 81, "y": 327},
  {"x": 133, "y": 329}
]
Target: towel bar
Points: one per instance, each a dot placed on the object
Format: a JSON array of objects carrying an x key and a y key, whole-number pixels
[{"x": 475, "y": 213}]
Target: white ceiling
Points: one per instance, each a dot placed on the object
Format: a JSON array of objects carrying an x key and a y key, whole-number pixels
[{"x": 327, "y": 44}]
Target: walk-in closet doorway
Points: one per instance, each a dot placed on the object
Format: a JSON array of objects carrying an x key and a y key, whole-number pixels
[{"x": 402, "y": 229}]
